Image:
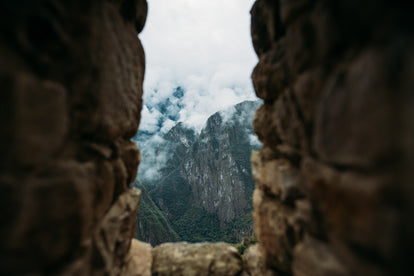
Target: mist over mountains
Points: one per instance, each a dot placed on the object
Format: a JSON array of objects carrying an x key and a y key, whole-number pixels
[
  {"x": 162, "y": 110},
  {"x": 200, "y": 180},
  {"x": 159, "y": 116}
]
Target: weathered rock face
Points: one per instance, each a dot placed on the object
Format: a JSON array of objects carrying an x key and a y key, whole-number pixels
[
  {"x": 334, "y": 177},
  {"x": 71, "y": 74},
  {"x": 218, "y": 166},
  {"x": 253, "y": 262},
  {"x": 206, "y": 184},
  {"x": 196, "y": 259},
  {"x": 138, "y": 260}
]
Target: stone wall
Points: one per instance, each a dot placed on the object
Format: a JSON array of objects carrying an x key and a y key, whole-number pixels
[
  {"x": 334, "y": 180},
  {"x": 71, "y": 74}
]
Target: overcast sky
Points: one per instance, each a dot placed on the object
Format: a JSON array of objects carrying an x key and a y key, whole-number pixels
[{"x": 203, "y": 46}]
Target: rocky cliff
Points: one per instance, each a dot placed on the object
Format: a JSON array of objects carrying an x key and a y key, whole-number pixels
[
  {"x": 206, "y": 184},
  {"x": 71, "y": 74},
  {"x": 218, "y": 167},
  {"x": 334, "y": 177}
]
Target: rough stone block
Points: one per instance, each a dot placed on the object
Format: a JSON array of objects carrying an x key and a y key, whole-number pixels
[
  {"x": 289, "y": 122},
  {"x": 131, "y": 157},
  {"x": 313, "y": 257},
  {"x": 301, "y": 44},
  {"x": 270, "y": 76},
  {"x": 103, "y": 188},
  {"x": 265, "y": 25},
  {"x": 139, "y": 260},
  {"x": 354, "y": 122},
  {"x": 254, "y": 262},
  {"x": 71, "y": 74},
  {"x": 265, "y": 126},
  {"x": 116, "y": 93},
  {"x": 356, "y": 207},
  {"x": 277, "y": 177},
  {"x": 282, "y": 122},
  {"x": 38, "y": 120},
  {"x": 199, "y": 259},
  {"x": 278, "y": 228},
  {"x": 291, "y": 9},
  {"x": 343, "y": 117},
  {"x": 307, "y": 89},
  {"x": 54, "y": 217},
  {"x": 112, "y": 237}
]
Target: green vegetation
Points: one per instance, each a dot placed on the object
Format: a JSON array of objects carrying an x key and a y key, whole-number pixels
[
  {"x": 196, "y": 225},
  {"x": 175, "y": 194},
  {"x": 223, "y": 148},
  {"x": 152, "y": 225},
  {"x": 238, "y": 229},
  {"x": 246, "y": 242},
  {"x": 189, "y": 223},
  {"x": 173, "y": 197}
]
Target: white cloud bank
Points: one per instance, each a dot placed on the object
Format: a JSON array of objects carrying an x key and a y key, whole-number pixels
[{"x": 203, "y": 46}]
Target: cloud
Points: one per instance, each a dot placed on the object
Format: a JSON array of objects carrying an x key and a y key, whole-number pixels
[
  {"x": 254, "y": 141},
  {"x": 204, "y": 46},
  {"x": 154, "y": 158},
  {"x": 151, "y": 119},
  {"x": 199, "y": 58}
]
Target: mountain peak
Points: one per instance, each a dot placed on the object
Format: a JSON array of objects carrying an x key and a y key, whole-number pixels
[{"x": 206, "y": 180}]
